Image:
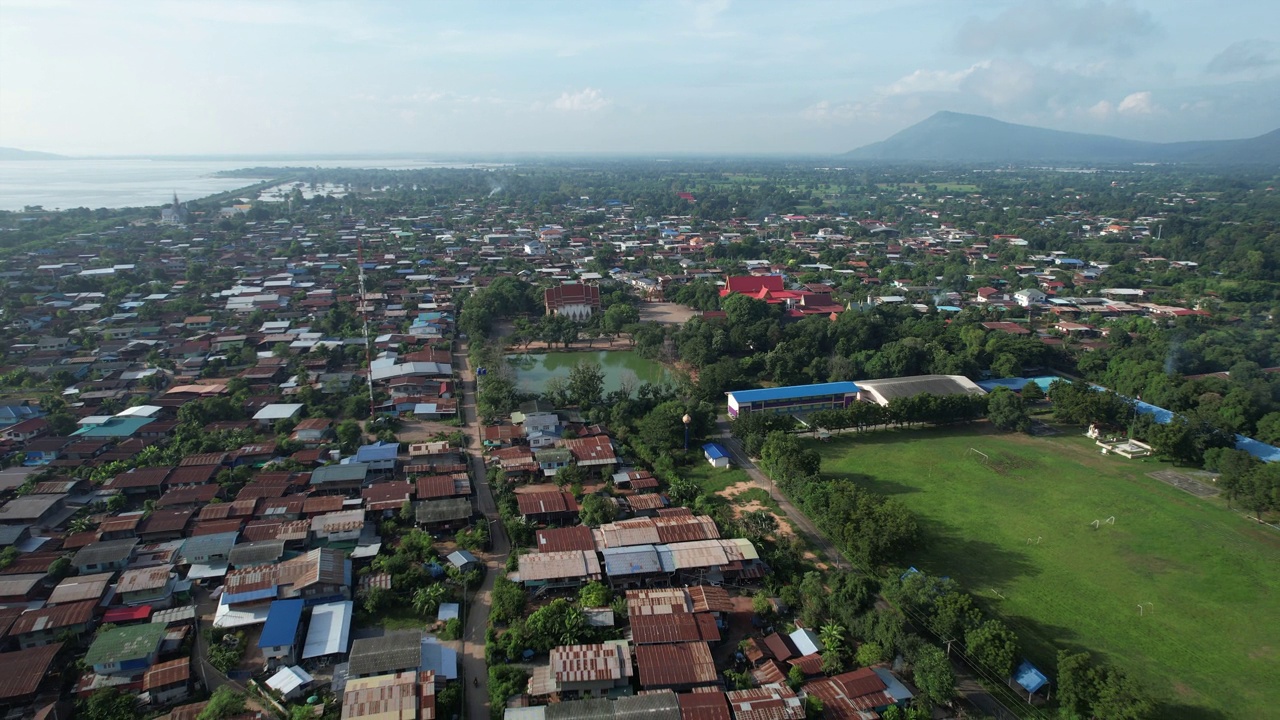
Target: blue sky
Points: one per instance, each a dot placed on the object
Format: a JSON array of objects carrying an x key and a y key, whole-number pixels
[{"x": 714, "y": 76}]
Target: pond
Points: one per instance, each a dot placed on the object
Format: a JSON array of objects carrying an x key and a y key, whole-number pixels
[{"x": 534, "y": 370}]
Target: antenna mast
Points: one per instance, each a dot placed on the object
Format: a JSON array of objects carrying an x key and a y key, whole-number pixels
[{"x": 364, "y": 316}]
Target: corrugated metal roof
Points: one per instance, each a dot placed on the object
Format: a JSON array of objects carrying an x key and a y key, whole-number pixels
[
  {"x": 637, "y": 560},
  {"x": 389, "y": 653},
  {"x": 129, "y": 642},
  {"x": 674, "y": 665},
  {"x": 261, "y": 552},
  {"x": 21, "y": 671},
  {"x": 82, "y": 587},
  {"x": 563, "y": 565},
  {"x": 104, "y": 551},
  {"x": 54, "y": 618},
  {"x": 143, "y": 579},
  {"x": 330, "y": 629},
  {"x": 578, "y": 537},
  {"x": 704, "y": 706},
  {"x": 672, "y": 628},
  {"x": 434, "y": 511},
  {"x": 167, "y": 673},
  {"x": 590, "y": 709},
  {"x": 637, "y": 531},
  {"x": 591, "y": 663},
  {"x": 281, "y": 627},
  {"x": 771, "y": 702},
  {"x": 649, "y": 705},
  {"x": 793, "y": 392}
]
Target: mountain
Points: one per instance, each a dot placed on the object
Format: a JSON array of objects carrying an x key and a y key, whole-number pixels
[
  {"x": 8, "y": 153},
  {"x": 949, "y": 137}
]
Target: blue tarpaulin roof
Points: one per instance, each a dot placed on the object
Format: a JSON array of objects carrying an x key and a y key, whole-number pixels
[
  {"x": 1029, "y": 677},
  {"x": 281, "y": 627},
  {"x": 793, "y": 391}
]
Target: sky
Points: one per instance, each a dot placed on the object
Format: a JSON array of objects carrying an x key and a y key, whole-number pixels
[{"x": 87, "y": 77}]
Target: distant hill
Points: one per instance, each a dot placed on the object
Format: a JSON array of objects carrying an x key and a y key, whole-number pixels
[
  {"x": 7, "y": 153},
  {"x": 949, "y": 137}
]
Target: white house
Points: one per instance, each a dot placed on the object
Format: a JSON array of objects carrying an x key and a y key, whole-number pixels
[
  {"x": 541, "y": 429},
  {"x": 716, "y": 455},
  {"x": 1029, "y": 297}
]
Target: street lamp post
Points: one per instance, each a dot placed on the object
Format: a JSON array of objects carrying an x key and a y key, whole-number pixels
[{"x": 686, "y": 420}]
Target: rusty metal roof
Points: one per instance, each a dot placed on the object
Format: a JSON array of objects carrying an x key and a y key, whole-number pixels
[
  {"x": 54, "y": 618},
  {"x": 567, "y": 564},
  {"x": 591, "y": 663},
  {"x": 167, "y": 673},
  {"x": 22, "y": 671},
  {"x": 674, "y": 665},
  {"x": 578, "y": 537},
  {"x": 140, "y": 579}
]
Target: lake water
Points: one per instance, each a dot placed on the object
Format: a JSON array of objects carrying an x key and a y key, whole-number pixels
[
  {"x": 141, "y": 182},
  {"x": 533, "y": 371}
]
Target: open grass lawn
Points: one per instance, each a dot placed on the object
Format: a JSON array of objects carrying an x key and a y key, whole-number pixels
[
  {"x": 1207, "y": 645},
  {"x": 713, "y": 480}
]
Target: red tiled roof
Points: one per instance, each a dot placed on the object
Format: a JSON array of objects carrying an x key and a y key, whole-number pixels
[{"x": 752, "y": 284}]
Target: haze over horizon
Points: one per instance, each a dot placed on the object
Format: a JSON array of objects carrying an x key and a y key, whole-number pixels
[{"x": 147, "y": 77}]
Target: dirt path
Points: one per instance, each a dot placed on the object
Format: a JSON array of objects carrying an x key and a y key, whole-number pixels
[
  {"x": 474, "y": 670},
  {"x": 742, "y": 508}
]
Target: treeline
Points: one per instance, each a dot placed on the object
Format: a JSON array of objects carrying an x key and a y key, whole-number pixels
[
  {"x": 1245, "y": 479},
  {"x": 881, "y": 342},
  {"x": 1086, "y": 689},
  {"x": 1187, "y": 438},
  {"x": 870, "y": 528},
  {"x": 504, "y": 298}
]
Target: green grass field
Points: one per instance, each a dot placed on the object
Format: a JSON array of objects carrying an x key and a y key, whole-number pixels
[
  {"x": 713, "y": 480},
  {"x": 1208, "y": 642}
]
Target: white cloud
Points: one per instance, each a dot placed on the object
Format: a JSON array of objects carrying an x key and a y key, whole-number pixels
[
  {"x": 933, "y": 80},
  {"x": 1101, "y": 111},
  {"x": 706, "y": 14},
  {"x": 585, "y": 100},
  {"x": 1039, "y": 25},
  {"x": 1253, "y": 55},
  {"x": 1139, "y": 103},
  {"x": 825, "y": 111}
]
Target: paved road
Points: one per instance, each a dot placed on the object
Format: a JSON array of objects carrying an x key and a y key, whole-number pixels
[
  {"x": 476, "y": 697},
  {"x": 966, "y": 684}
]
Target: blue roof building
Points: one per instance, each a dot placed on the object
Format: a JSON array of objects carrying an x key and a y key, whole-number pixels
[
  {"x": 793, "y": 399},
  {"x": 1029, "y": 677},
  {"x": 279, "y": 641},
  {"x": 716, "y": 455},
  {"x": 378, "y": 456}
]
